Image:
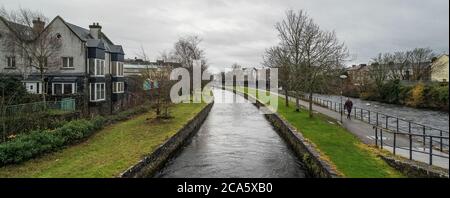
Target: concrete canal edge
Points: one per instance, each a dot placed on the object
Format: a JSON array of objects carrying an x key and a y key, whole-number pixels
[
  {"x": 313, "y": 161},
  {"x": 152, "y": 163}
]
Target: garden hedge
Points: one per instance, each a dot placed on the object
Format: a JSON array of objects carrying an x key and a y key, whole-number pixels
[{"x": 27, "y": 146}]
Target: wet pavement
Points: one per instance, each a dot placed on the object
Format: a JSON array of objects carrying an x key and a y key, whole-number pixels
[
  {"x": 234, "y": 141},
  {"x": 435, "y": 119}
]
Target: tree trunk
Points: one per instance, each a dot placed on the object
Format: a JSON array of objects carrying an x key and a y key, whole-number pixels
[
  {"x": 43, "y": 90},
  {"x": 158, "y": 111},
  {"x": 286, "y": 97},
  {"x": 297, "y": 102},
  {"x": 310, "y": 104}
]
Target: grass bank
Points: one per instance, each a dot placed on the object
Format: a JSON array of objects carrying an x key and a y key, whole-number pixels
[
  {"x": 110, "y": 151},
  {"x": 346, "y": 152}
]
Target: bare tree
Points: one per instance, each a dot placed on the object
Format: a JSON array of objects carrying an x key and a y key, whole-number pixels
[
  {"x": 323, "y": 58},
  {"x": 401, "y": 65},
  {"x": 291, "y": 33},
  {"x": 312, "y": 56},
  {"x": 420, "y": 59},
  {"x": 37, "y": 45},
  {"x": 379, "y": 70},
  {"x": 161, "y": 86},
  {"x": 186, "y": 51},
  {"x": 277, "y": 57}
]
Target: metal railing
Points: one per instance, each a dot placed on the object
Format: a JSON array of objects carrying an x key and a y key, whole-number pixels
[
  {"x": 390, "y": 122},
  {"x": 380, "y": 142}
]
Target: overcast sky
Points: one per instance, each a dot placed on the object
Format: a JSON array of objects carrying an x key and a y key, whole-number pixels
[{"x": 240, "y": 30}]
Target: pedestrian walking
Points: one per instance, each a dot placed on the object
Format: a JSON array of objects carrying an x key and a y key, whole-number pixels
[{"x": 348, "y": 106}]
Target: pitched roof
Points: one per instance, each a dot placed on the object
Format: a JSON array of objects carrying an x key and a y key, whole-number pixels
[
  {"x": 82, "y": 33},
  {"x": 117, "y": 49},
  {"x": 85, "y": 35},
  {"x": 97, "y": 43},
  {"x": 19, "y": 29}
]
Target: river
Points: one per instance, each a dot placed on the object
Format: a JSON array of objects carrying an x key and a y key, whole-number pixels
[
  {"x": 235, "y": 141},
  {"x": 435, "y": 119}
]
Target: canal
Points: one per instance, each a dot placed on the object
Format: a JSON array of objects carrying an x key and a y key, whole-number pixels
[{"x": 234, "y": 141}]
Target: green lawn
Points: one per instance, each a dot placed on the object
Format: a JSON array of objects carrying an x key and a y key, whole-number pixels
[
  {"x": 110, "y": 151},
  {"x": 350, "y": 157}
]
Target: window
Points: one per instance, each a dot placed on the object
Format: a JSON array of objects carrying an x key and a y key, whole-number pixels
[
  {"x": 11, "y": 61},
  {"x": 63, "y": 88},
  {"x": 97, "y": 91},
  {"x": 67, "y": 62},
  {"x": 117, "y": 69},
  {"x": 118, "y": 87},
  {"x": 97, "y": 67},
  {"x": 33, "y": 87}
]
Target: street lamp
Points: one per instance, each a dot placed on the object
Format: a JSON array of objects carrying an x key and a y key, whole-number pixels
[{"x": 342, "y": 77}]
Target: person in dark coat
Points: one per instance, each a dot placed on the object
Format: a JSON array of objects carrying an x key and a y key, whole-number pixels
[{"x": 348, "y": 106}]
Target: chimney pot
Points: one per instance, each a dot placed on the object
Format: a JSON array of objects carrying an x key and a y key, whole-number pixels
[
  {"x": 38, "y": 25},
  {"x": 95, "y": 30}
]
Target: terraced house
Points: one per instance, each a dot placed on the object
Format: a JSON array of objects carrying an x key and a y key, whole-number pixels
[{"x": 88, "y": 65}]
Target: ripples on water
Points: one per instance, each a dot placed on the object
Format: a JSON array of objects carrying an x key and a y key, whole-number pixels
[
  {"x": 234, "y": 141},
  {"x": 436, "y": 119}
]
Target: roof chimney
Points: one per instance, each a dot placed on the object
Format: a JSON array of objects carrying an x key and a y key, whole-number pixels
[
  {"x": 95, "y": 30},
  {"x": 38, "y": 25}
]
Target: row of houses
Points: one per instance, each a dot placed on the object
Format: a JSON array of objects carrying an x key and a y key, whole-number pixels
[
  {"x": 436, "y": 70},
  {"x": 89, "y": 66}
]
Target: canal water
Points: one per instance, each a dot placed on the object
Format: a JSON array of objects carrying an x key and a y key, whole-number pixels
[{"x": 235, "y": 141}]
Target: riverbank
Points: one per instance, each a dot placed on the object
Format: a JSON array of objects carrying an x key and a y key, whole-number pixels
[
  {"x": 351, "y": 157},
  {"x": 110, "y": 151},
  {"x": 235, "y": 141}
]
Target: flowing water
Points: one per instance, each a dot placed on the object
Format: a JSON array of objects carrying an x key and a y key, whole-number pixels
[
  {"x": 234, "y": 141},
  {"x": 435, "y": 119}
]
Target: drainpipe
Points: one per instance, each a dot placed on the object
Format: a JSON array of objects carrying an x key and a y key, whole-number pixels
[{"x": 86, "y": 108}]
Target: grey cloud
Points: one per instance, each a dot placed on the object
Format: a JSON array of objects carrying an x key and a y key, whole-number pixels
[{"x": 240, "y": 30}]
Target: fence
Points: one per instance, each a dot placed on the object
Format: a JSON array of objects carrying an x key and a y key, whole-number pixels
[
  {"x": 380, "y": 142},
  {"x": 17, "y": 119},
  {"x": 65, "y": 105},
  {"x": 391, "y": 123}
]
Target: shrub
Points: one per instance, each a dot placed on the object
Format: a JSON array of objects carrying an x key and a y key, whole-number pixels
[
  {"x": 404, "y": 94},
  {"x": 27, "y": 146},
  {"x": 390, "y": 92},
  {"x": 416, "y": 98},
  {"x": 35, "y": 143},
  {"x": 75, "y": 131},
  {"x": 437, "y": 96}
]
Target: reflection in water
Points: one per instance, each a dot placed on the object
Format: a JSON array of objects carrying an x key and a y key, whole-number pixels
[{"x": 234, "y": 141}]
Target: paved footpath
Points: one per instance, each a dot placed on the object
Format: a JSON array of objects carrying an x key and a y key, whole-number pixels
[{"x": 366, "y": 134}]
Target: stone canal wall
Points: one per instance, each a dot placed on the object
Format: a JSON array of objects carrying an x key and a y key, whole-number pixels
[
  {"x": 414, "y": 169},
  {"x": 314, "y": 163},
  {"x": 148, "y": 166}
]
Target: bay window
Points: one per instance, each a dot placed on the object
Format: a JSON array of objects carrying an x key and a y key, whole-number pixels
[
  {"x": 97, "y": 67},
  {"x": 118, "y": 87},
  {"x": 117, "y": 69},
  {"x": 97, "y": 92}
]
